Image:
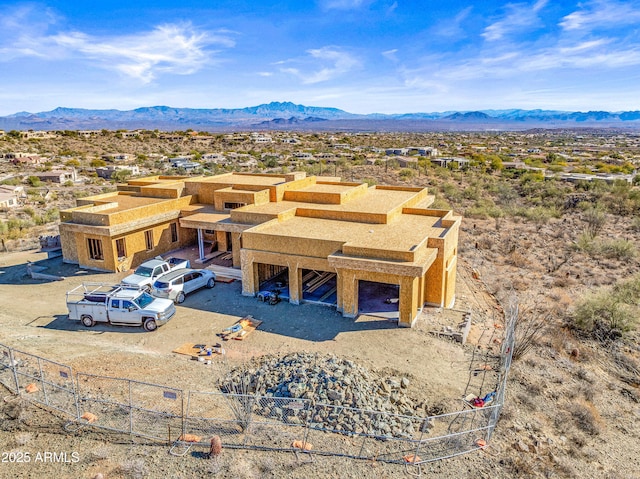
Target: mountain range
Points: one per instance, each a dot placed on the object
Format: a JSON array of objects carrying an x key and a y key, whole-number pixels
[{"x": 291, "y": 116}]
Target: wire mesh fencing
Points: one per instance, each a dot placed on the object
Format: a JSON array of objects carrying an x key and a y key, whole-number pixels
[
  {"x": 40, "y": 380},
  {"x": 7, "y": 369},
  {"x": 173, "y": 416}
]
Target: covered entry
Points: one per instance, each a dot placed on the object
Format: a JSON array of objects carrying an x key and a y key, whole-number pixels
[{"x": 378, "y": 299}]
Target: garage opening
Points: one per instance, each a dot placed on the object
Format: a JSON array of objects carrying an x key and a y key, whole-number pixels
[
  {"x": 272, "y": 277},
  {"x": 319, "y": 286},
  {"x": 379, "y": 299}
]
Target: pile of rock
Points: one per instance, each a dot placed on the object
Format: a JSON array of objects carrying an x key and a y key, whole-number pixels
[{"x": 330, "y": 386}]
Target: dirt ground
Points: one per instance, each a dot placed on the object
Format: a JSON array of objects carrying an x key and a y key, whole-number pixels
[
  {"x": 33, "y": 319},
  {"x": 572, "y": 405}
]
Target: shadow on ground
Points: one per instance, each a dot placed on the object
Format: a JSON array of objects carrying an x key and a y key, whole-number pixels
[
  {"x": 311, "y": 322},
  {"x": 18, "y": 274},
  {"x": 61, "y": 322}
]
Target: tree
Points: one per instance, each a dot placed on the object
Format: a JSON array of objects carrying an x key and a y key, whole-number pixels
[
  {"x": 121, "y": 175},
  {"x": 495, "y": 163},
  {"x": 97, "y": 163},
  {"x": 34, "y": 181}
]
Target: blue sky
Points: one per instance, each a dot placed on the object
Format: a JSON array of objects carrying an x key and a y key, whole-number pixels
[{"x": 363, "y": 56}]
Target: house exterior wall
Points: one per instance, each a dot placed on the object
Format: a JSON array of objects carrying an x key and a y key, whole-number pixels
[{"x": 289, "y": 221}]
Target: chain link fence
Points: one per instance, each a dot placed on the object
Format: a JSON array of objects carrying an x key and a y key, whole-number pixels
[
  {"x": 39, "y": 380},
  {"x": 183, "y": 418}
]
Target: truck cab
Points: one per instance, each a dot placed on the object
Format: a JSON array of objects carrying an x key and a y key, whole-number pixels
[{"x": 149, "y": 271}]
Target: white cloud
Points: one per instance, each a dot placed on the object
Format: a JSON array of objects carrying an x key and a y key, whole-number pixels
[
  {"x": 520, "y": 16},
  {"x": 170, "y": 48},
  {"x": 343, "y": 4},
  {"x": 602, "y": 13},
  {"x": 324, "y": 64},
  {"x": 177, "y": 49},
  {"x": 391, "y": 54},
  {"x": 452, "y": 27}
]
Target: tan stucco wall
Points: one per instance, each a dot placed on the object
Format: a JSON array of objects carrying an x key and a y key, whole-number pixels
[
  {"x": 380, "y": 234},
  {"x": 135, "y": 247}
]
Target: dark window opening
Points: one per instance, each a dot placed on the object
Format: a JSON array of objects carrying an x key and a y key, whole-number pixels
[
  {"x": 95, "y": 248},
  {"x": 174, "y": 232},
  {"x": 120, "y": 249},
  {"x": 233, "y": 206},
  {"x": 148, "y": 238}
]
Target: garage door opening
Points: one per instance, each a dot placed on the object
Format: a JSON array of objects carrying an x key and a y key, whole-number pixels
[
  {"x": 378, "y": 299},
  {"x": 272, "y": 277},
  {"x": 319, "y": 286}
]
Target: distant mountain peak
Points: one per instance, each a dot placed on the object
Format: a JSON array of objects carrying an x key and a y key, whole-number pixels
[
  {"x": 468, "y": 116},
  {"x": 288, "y": 114}
]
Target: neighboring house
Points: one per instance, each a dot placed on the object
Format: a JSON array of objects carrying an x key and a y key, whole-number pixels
[
  {"x": 427, "y": 151},
  {"x": 37, "y": 135},
  {"x": 89, "y": 133},
  {"x": 407, "y": 161},
  {"x": 16, "y": 190},
  {"x": 58, "y": 176},
  {"x": 317, "y": 239},
  {"x": 117, "y": 157},
  {"x": 24, "y": 159},
  {"x": 107, "y": 172},
  {"x": 8, "y": 199},
  {"x": 446, "y": 161},
  {"x": 514, "y": 165},
  {"x": 185, "y": 163},
  {"x": 130, "y": 134}
]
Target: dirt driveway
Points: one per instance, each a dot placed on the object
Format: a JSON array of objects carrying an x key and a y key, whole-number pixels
[{"x": 34, "y": 319}]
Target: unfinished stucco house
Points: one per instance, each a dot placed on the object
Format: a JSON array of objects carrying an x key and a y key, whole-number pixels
[{"x": 315, "y": 239}]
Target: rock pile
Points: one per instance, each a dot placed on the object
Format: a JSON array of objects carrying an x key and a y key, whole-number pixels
[{"x": 331, "y": 386}]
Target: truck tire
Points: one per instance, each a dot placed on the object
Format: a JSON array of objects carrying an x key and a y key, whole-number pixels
[
  {"x": 87, "y": 321},
  {"x": 180, "y": 297},
  {"x": 150, "y": 325},
  {"x": 211, "y": 283}
]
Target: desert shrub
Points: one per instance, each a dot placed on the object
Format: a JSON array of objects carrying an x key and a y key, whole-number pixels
[
  {"x": 586, "y": 417},
  {"x": 440, "y": 204},
  {"x": 609, "y": 313},
  {"x": 451, "y": 191},
  {"x": 541, "y": 214},
  {"x": 619, "y": 248},
  {"x": 595, "y": 218},
  {"x": 530, "y": 326},
  {"x": 370, "y": 181},
  {"x": 406, "y": 173},
  {"x": 483, "y": 210}
]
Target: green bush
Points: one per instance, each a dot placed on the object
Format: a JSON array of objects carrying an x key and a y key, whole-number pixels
[
  {"x": 604, "y": 316},
  {"x": 406, "y": 173},
  {"x": 620, "y": 248},
  {"x": 540, "y": 214},
  {"x": 609, "y": 313}
]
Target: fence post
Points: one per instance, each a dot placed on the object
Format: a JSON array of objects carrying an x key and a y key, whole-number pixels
[
  {"x": 306, "y": 426},
  {"x": 14, "y": 369},
  {"x": 42, "y": 380},
  {"x": 130, "y": 409},
  {"x": 184, "y": 413},
  {"x": 76, "y": 392}
]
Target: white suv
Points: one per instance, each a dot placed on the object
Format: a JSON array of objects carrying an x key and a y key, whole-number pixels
[{"x": 176, "y": 284}]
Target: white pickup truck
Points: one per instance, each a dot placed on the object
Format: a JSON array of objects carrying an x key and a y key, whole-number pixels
[
  {"x": 93, "y": 303},
  {"x": 149, "y": 271}
]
